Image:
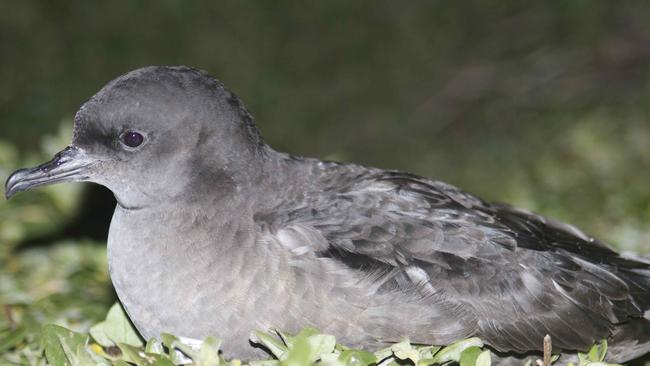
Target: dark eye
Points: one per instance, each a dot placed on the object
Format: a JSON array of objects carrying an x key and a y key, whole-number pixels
[{"x": 132, "y": 138}]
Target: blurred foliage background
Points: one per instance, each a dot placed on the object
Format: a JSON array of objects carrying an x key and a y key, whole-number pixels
[{"x": 541, "y": 104}]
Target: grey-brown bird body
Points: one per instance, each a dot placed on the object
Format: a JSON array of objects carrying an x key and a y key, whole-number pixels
[{"x": 215, "y": 233}]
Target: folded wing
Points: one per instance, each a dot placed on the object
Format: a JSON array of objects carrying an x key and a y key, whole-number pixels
[{"x": 521, "y": 276}]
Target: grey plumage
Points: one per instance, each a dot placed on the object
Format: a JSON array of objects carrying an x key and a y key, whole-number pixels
[{"x": 215, "y": 233}]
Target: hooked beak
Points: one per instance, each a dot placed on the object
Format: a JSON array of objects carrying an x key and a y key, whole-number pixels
[{"x": 68, "y": 165}]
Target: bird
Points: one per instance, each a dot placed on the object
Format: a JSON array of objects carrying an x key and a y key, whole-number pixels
[{"x": 215, "y": 233}]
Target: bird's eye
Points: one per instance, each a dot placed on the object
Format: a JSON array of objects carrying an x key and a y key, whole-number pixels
[{"x": 132, "y": 138}]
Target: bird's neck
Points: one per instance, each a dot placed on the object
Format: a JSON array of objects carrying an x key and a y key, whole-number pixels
[{"x": 289, "y": 180}]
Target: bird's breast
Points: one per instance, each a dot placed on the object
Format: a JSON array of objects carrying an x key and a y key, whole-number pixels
[
  {"x": 180, "y": 274},
  {"x": 194, "y": 277}
]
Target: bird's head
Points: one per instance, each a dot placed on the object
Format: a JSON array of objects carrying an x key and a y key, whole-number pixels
[{"x": 155, "y": 134}]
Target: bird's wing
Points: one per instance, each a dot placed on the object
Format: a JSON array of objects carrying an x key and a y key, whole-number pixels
[{"x": 521, "y": 275}]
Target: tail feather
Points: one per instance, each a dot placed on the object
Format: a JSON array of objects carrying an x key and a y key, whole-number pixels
[{"x": 629, "y": 341}]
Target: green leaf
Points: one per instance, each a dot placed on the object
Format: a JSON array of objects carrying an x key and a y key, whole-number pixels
[
  {"x": 321, "y": 344},
  {"x": 303, "y": 334},
  {"x": 555, "y": 358},
  {"x": 274, "y": 345},
  {"x": 469, "y": 355},
  {"x": 603, "y": 350},
  {"x": 168, "y": 339},
  {"x": 263, "y": 363},
  {"x": 182, "y": 353},
  {"x": 383, "y": 353},
  {"x": 484, "y": 359},
  {"x": 10, "y": 338},
  {"x": 61, "y": 345},
  {"x": 307, "y": 347},
  {"x": 594, "y": 353},
  {"x": 141, "y": 358},
  {"x": 172, "y": 343},
  {"x": 427, "y": 352},
  {"x": 100, "y": 353},
  {"x": 115, "y": 329},
  {"x": 85, "y": 358},
  {"x": 208, "y": 354},
  {"x": 98, "y": 333},
  {"x": 298, "y": 354},
  {"x": 154, "y": 346},
  {"x": 405, "y": 351},
  {"x": 133, "y": 355},
  {"x": 331, "y": 359},
  {"x": 453, "y": 351},
  {"x": 186, "y": 349},
  {"x": 353, "y": 357}
]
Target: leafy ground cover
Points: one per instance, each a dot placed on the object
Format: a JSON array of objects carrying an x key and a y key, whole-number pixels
[{"x": 114, "y": 341}]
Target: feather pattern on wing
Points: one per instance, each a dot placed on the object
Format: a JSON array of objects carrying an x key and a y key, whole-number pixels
[{"x": 518, "y": 275}]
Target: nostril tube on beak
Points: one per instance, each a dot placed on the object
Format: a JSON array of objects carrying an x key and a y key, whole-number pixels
[
  {"x": 59, "y": 158},
  {"x": 68, "y": 165}
]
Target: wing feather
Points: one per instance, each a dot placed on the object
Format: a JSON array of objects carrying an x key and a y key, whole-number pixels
[{"x": 521, "y": 275}]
